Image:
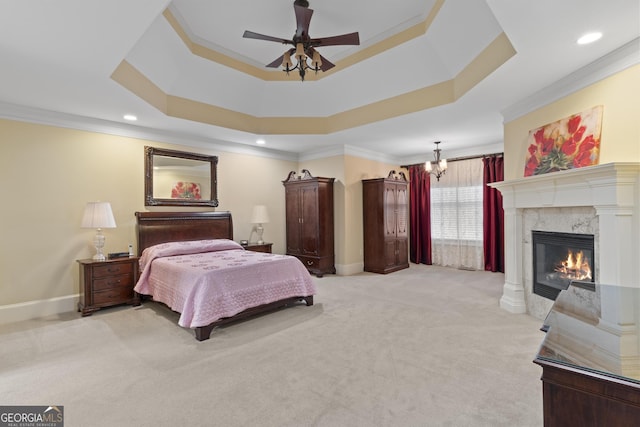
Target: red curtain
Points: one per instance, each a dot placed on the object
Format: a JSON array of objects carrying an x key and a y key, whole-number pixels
[
  {"x": 420, "y": 216},
  {"x": 493, "y": 227}
]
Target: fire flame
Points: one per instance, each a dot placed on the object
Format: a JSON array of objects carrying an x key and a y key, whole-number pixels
[{"x": 575, "y": 267}]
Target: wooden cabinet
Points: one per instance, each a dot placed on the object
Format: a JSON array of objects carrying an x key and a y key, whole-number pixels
[
  {"x": 107, "y": 283},
  {"x": 385, "y": 216},
  {"x": 309, "y": 221},
  {"x": 259, "y": 247},
  {"x": 589, "y": 357},
  {"x": 581, "y": 397}
]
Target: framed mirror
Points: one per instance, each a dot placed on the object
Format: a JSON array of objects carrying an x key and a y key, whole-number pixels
[{"x": 178, "y": 178}]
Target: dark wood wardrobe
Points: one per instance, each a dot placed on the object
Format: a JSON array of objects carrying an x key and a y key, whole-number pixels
[
  {"x": 309, "y": 221},
  {"x": 385, "y": 207}
]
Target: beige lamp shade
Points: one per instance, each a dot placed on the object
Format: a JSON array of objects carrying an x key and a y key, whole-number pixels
[
  {"x": 286, "y": 61},
  {"x": 259, "y": 215},
  {"x": 316, "y": 61},
  {"x": 98, "y": 215}
]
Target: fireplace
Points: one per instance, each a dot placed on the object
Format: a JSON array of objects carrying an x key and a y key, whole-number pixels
[
  {"x": 559, "y": 259},
  {"x": 600, "y": 200}
]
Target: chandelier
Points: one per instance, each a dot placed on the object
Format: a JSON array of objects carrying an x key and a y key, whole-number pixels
[
  {"x": 439, "y": 166},
  {"x": 300, "y": 54}
]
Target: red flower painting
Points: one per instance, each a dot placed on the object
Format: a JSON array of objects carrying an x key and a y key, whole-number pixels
[
  {"x": 573, "y": 142},
  {"x": 186, "y": 190}
]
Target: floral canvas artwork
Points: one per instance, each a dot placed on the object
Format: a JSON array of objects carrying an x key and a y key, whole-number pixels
[
  {"x": 186, "y": 190},
  {"x": 572, "y": 142}
]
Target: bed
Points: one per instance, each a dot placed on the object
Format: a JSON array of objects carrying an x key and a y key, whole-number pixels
[{"x": 193, "y": 266}]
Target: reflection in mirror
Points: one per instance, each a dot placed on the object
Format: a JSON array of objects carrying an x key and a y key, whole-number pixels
[{"x": 177, "y": 178}]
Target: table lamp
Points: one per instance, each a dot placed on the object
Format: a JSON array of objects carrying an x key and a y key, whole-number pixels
[
  {"x": 260, "y": 216},
  {"x": 98, "y": 215}
]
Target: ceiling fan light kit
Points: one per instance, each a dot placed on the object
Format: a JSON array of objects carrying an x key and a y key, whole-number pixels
[{"x": 304, "y": 45}]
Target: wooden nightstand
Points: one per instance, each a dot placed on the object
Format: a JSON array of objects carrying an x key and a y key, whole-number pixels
[
  {"x": 259, "y": 247},
  {"x": 107, "y": 283}
]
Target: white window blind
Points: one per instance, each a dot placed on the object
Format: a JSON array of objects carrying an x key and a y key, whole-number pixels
[{"x": 455, "y": 213}]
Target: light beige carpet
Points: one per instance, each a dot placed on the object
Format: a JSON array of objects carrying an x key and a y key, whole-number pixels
[{"x": 426, "y": 346}]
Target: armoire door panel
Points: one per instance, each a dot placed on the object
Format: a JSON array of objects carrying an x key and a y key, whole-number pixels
[
  {"x": 390, "y": 211},
  {"x": 309, "y": 222},
  {"x": 402, "y": 211},
  {"x": 390, "y": 255},
  {"x": 402, "y": 251},
  {"x": 293, "y": 218}
]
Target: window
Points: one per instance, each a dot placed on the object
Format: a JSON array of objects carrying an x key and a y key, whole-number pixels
[
  {"x": 456, "y": 216},
  {"x": 455, "y": 211}
]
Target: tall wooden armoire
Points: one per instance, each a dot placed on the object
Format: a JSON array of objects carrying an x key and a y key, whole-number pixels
[
  {"x": 309, "y": 221},
  {"x": 385, "y": 206}
]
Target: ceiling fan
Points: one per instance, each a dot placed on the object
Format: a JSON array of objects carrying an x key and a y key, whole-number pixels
[{"x": 303, "y": 45}]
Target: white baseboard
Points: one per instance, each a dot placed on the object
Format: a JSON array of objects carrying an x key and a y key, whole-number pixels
[
  {"x": 39, "y": 308},
  {"x": 349, "y": 269},
  {"x": 47, "y": 307}
]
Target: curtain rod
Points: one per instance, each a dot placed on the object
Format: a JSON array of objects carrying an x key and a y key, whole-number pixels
[{"x": 455, "y": 159}]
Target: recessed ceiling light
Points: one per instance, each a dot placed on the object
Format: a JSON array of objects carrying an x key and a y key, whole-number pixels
[
  {"x": 260, "y": 142},
  {"x": 589, "y": 38},
  {"x": 130, "y": 117}
]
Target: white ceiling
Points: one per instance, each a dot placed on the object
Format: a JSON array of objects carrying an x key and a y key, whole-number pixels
[{"x": 58, "y": 58}]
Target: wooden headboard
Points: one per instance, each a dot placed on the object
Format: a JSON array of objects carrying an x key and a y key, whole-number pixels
[{"x": 160, "y": 227}]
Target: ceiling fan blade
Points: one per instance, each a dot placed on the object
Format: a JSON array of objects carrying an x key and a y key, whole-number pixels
[
  {"x": 276, "y": 63},
  {"x": 252, "y": 35},
  {"x": 303, "y": 19},
  {"x": 344, "y": 39},
  {"x": 326, "y": 64}
]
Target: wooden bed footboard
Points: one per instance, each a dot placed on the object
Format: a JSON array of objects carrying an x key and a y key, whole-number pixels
[{"x": 204, "y": 332}]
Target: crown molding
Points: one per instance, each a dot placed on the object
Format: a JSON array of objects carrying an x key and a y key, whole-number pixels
[
  {"x": 618, "y": 60},
  {"x": 363, "y": 153},
  {"x": 347, "y": 150},
  {"x": 72, "y": 121},
  {"x": 476, "y": 150}
]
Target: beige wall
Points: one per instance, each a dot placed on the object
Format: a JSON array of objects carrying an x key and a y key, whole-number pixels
[
  {"x": 358, "y": 169},
  {"x": 245, "y": 181},
  {"x": 348, "y": 172},
  {"x": 620, "y": 139},
  {"x": 49, "y": 174}
]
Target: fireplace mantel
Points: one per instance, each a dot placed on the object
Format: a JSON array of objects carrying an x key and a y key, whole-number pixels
[{"x": 613, "y": 189}]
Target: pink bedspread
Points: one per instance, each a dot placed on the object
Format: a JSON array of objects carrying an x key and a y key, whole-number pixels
[{"x": 207, "y": 280}]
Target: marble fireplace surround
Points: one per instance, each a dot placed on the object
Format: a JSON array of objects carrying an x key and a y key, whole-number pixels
[{"x": 602, "y": 200}]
